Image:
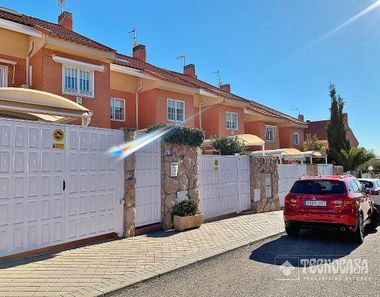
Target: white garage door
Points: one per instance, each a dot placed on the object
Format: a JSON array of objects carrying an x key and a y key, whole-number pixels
[
  {"x": 288, "y": 174},
  {"x": 148, "y": 184},
  {"x": 52, "y": 191},
  {"x": 224, "y": 184}
]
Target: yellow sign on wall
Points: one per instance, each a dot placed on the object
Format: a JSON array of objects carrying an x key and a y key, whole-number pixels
[
  {"x": 216, "y": 165},
  {"x": 58, "y": 146},
  {"x": 58, "y": 135}
]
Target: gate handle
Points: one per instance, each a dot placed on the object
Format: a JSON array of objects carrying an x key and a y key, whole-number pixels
[{"x": 64, "y": 185}]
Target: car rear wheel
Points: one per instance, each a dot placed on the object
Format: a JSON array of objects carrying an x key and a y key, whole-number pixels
[
  {"x": 292, "y": 231},
  {"x": 358, "y": 235},
  {"x": 374, "y": 219}
]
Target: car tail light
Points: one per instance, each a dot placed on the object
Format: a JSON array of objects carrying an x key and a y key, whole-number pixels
[
  {"x": 375, "y": 192},
  {"x": 348, "y": 202},
  {"x": 338, "y": 203},
  {"x": 291, "y": 201}
]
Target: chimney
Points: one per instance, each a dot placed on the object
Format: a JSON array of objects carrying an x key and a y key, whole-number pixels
[
  {"x": 301, "y": 117},
  {"x": 345, "y": 118},
  {"x": 189, "y": 70},
  {"x": 226, "y": 88},
  {"x": 139, "y": 52},
  {"x": 65, "y": 19}
]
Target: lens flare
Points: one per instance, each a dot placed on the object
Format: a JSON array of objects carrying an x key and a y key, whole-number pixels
[{"x": 124, "y": 150}]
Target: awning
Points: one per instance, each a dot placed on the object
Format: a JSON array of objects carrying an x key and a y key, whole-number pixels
[
  {"x": 285, "y": 153},
  {"x": 314, "y": 154},
  {"x": 247, "y": 139},
  {"x": 250, "y": 139},
  {"x": 38, "y": 105}
]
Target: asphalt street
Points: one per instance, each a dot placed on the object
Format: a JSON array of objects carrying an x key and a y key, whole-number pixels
[{"x": 318, "y": 263}]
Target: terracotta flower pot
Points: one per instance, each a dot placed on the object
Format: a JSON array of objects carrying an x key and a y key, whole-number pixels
[{"x": 184, "y": 223}]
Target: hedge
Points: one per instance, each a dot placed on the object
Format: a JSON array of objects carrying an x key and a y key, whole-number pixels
[{"x": 181, "y": 135}]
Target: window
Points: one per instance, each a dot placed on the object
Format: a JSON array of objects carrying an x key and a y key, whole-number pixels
[
  {"x": 319, "y": 187},
  {"x": 231, "y": 120},
  {"x": 3, "y": 76},
  {"x": 296, "y": 138},
  {"x": 78, "y": 81},
  {"x": 270, "y": 133},
  {"x": 268, "y": 185},
  {"x": 117, "y": 109},
  {"x": 176, "y": 111}
]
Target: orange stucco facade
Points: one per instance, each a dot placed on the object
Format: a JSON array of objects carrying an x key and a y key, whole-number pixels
[
  {"x": 153, "y": 107},
  {"x": 152, "y": 97},
  {"x": 214, "y": 120},
  {"x": 286, "y": 137},
  {"x": 258, "y": 128}
]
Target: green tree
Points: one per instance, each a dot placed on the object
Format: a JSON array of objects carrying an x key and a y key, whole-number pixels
[
  {"x": 336, "y": 132},
  {"x": 353, "y": 157},
  {"x": 312, "y": 143},
  {"x": 228, "y": 145}
]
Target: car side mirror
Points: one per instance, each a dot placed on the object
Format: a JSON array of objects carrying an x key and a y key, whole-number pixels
[{"x": 367, "y": 191}]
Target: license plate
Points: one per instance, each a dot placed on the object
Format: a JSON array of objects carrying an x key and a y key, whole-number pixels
[{"x": 318, "y": 203}]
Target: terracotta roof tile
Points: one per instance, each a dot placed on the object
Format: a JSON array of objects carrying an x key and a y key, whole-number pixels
[
  {"x": 193, "y": 82},
  {"x": 52, "y": 29}
]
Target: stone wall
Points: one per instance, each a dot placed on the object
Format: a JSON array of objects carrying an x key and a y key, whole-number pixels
[
  {"x": 259, "y": 167},
  {"x": 312, "y": 169},
  {"x": 337, "y": 170},
  {"x": 130, "y": 193},
  {"x": 186, "y": 180}
]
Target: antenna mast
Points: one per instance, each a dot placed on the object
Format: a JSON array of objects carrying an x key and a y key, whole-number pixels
[
  {"x": 218, "y": 76},
  {"x": 134, "y": 34},
  {"x": 61, "y": 4},
  {"x": 182, "y": 57}
]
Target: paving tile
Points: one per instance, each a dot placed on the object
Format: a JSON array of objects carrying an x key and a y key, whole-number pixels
[{"x": 99, "y": 268}]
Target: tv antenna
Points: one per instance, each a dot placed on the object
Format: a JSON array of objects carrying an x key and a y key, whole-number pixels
[
  {"x": 134, "y": 34},
  {"x": 61, "y": 4},
  {"x": 183, "y": 58},
  {"x": 218, "y": 77},
  {"x": 299, "y": 111}
]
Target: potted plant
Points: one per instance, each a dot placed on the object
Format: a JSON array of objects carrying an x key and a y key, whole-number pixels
[{"x": 186, "y": 215}]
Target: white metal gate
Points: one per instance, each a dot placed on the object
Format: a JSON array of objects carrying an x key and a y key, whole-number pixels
[
  {"x": 224, "y": 184},
  {"x": 52, "y": 191},
  {"x": 325, "y": 169},
  {"x": 148, "y": 184},
  {"x": 288, "y": 174}
]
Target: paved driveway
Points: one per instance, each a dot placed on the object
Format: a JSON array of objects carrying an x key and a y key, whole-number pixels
[
  {"x": 100, "y": 268},
  {"x": 252, "y": 270}
]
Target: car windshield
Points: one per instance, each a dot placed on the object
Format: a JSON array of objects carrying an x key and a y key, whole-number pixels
[
  {"x": 367, "y": 184},
  {"x": 319, "y": 187}
]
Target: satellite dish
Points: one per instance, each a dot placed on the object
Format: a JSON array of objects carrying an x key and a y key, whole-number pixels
[{"x": 370, "y": 168}]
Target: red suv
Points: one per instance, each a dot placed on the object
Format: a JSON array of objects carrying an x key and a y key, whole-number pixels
[{"x": 332, "y": 202}]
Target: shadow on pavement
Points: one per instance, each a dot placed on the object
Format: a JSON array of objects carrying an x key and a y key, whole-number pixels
[{"x": 311, "y": 244}]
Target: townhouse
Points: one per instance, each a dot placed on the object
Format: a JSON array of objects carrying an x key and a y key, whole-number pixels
[{"x": 127, "y": 91}]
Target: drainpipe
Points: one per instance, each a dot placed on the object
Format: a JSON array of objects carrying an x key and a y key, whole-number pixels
[
  {"x": 200, "y": 113},
  {"x": 138, "y": 90},
  {"x": 28, "y": 54}
]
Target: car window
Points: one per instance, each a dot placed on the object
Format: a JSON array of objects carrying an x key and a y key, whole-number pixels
[
  {"x": 355, "y": 187},
  {"x": 319, "y": 187},
  {"x": 366, "y": 183},
  {"x": 360, "y": 186}
]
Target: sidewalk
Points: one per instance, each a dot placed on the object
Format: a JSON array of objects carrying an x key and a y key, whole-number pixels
[{"x": 97, "y": 269}]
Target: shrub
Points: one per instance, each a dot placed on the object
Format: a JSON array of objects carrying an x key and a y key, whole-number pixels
[
  {"x": 181, "y": 135},
  {"x": 228, "y": 145},
  {"x": 185, "y": 208}
]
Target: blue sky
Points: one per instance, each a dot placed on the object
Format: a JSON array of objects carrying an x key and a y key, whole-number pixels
[{"x": 254, "y": 44}]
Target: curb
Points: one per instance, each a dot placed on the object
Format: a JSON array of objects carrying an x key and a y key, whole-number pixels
[{"x": 112, "y": 286}]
